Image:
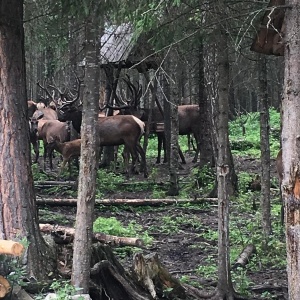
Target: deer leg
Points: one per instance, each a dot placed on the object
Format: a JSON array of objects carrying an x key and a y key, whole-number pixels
[
  {"x": 36, "y": 150},
  {"x": 45, "y": 155},
  {"x": 181, "y": 155},
  {"x": 134, "y": 156},
  {"x": 116, "y": 148},
  {"x": 165, "y": 148},
  {"x": 50, "y": 158},
  {"x": 143, "y": 160},
  {"x": 50, "y": 150},
  {"x": 160, "y": 143}
]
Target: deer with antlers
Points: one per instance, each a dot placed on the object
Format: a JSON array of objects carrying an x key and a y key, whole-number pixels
[
  {"x": 113, "y": 131},
  {"x": 188, "y": 118}
]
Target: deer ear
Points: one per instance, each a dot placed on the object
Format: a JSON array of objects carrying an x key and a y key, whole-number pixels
[{"x": 40, "y": 116}]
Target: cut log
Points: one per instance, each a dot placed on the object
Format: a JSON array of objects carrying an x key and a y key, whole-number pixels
[
  {"x": 132, "y": 202},
  {"x": 155, "y": 278},
  {"x": 63, "y": 235},
  {"x": 4, "y": 287},
  {"x": 244, "y": 257},
  {"x": 11, "y": 247}
]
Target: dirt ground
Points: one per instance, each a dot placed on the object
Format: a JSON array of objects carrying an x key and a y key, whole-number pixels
[{"x": 182, "y": 248}]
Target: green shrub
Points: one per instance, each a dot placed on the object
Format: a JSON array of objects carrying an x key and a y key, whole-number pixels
[{"x": 244, "y": 134}]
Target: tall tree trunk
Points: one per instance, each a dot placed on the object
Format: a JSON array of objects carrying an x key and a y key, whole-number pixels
[
  {"x": 171, "y": 126},
  {"x": 205, "y": 124},
  {"x": 88, "y": 161},
  {"x": 225, "y": 170},
  {"x": 18, "y": 213},
  {"x": 291, "y": 146},
  {"x": 264, "y": 148}
]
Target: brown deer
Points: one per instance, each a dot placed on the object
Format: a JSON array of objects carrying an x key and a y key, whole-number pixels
[
  {"x": 188, "y": 118},
  {"x": 113, "y": 131},
  {"x": 40, "y": 114},
  {"x": 49, "y": 131},
  {"x": 68, "y": 150}
]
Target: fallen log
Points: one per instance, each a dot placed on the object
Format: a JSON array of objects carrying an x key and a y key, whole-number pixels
[
  {"x": 48, "y": 182},
  {"x": 11, "y": 247},
  {"x": 244, "y": 257},
  {"x": 64, "y": 235},
  {"x": 132, "y": 202},
  {"x": 4, "y": 287}
]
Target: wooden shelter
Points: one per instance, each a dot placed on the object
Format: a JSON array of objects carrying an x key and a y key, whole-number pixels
[
  {"x": 269, "y": 37},
  {"x": 121, "y": 47}
]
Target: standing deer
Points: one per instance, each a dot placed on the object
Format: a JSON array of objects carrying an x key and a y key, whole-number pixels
[
  {"x": 113, "y": 131},
  {"x": 188, "y": 118},
  {"x": 68, "y": 150},
  {"x": 48, "y": 131},
  {"x": 46, "y": 113}
]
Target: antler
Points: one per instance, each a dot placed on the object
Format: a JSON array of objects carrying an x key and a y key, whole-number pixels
[
  {"x": 135, "y": 91},
  {"x": 74, "y": 97},
  {"x": 45, "y": 89}
]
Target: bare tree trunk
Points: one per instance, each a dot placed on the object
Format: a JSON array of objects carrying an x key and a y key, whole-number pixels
[
  {"x": 89, "y": 160},
  {"x": 291, "y": 146},
  {"x": 264, "y": 148},
  {"x": 225, "y": 169},
  {"x": 171, "y": 125},
  {"x": 205, "y": 124},
  {"x": 18, "y": 213}
]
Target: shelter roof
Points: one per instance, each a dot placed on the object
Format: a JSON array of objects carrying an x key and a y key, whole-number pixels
[{"x": 122, "y": 47}]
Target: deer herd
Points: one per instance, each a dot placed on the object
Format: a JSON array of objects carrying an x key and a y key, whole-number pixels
[{"x": 53, "y": 123}]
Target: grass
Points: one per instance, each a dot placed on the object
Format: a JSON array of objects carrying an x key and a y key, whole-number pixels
[
  {"x": 113, "y": 226},
  {"x": 247, "y": 143}
]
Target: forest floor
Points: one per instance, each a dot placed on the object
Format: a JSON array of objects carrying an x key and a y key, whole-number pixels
[{"x": 184, "y": 235}]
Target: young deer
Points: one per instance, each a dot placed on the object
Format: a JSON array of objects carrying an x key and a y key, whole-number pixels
[{"x": 68, "y": 150}]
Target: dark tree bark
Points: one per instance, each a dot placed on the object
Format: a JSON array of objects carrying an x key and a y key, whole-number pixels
[
  {"x": 264, "y": 148},
  {"x": 291, "y": 145},
  {"x": 171, "y": 126},
  {"x": 89, "y": 159},
  {"x": 205, "y": 124},
  {"x": 18, "y": 213},
  {"x": 225, "y": 170}
]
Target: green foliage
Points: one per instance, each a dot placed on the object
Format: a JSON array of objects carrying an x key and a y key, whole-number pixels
[
  {"x": 38, "y": 175},
  {"x": 63, "y": 289},
  {"x": 114, "y": 227},
  {"x": 199, "y": 182},
  {"x": 170, "y": 224},
  {"x": 249, "y": 143},
  {"x": 107, "y": 182},
  {"x": 14, "y": 267},
  {"x": 208, "y": 268},
  {"x": 241, "y": 281}
]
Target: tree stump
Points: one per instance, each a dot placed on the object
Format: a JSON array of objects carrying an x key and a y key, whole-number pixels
[{"x": 154, "y": 277}]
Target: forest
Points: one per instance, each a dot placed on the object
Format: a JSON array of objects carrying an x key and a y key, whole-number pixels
[{"x": 149, "y": 149}]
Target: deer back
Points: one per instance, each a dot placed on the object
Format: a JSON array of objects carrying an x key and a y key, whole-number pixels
[
  {"x": 119, "y": 129},
  {"x": 46, "y": 113},
  {"x": 51, "y": 130}
]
